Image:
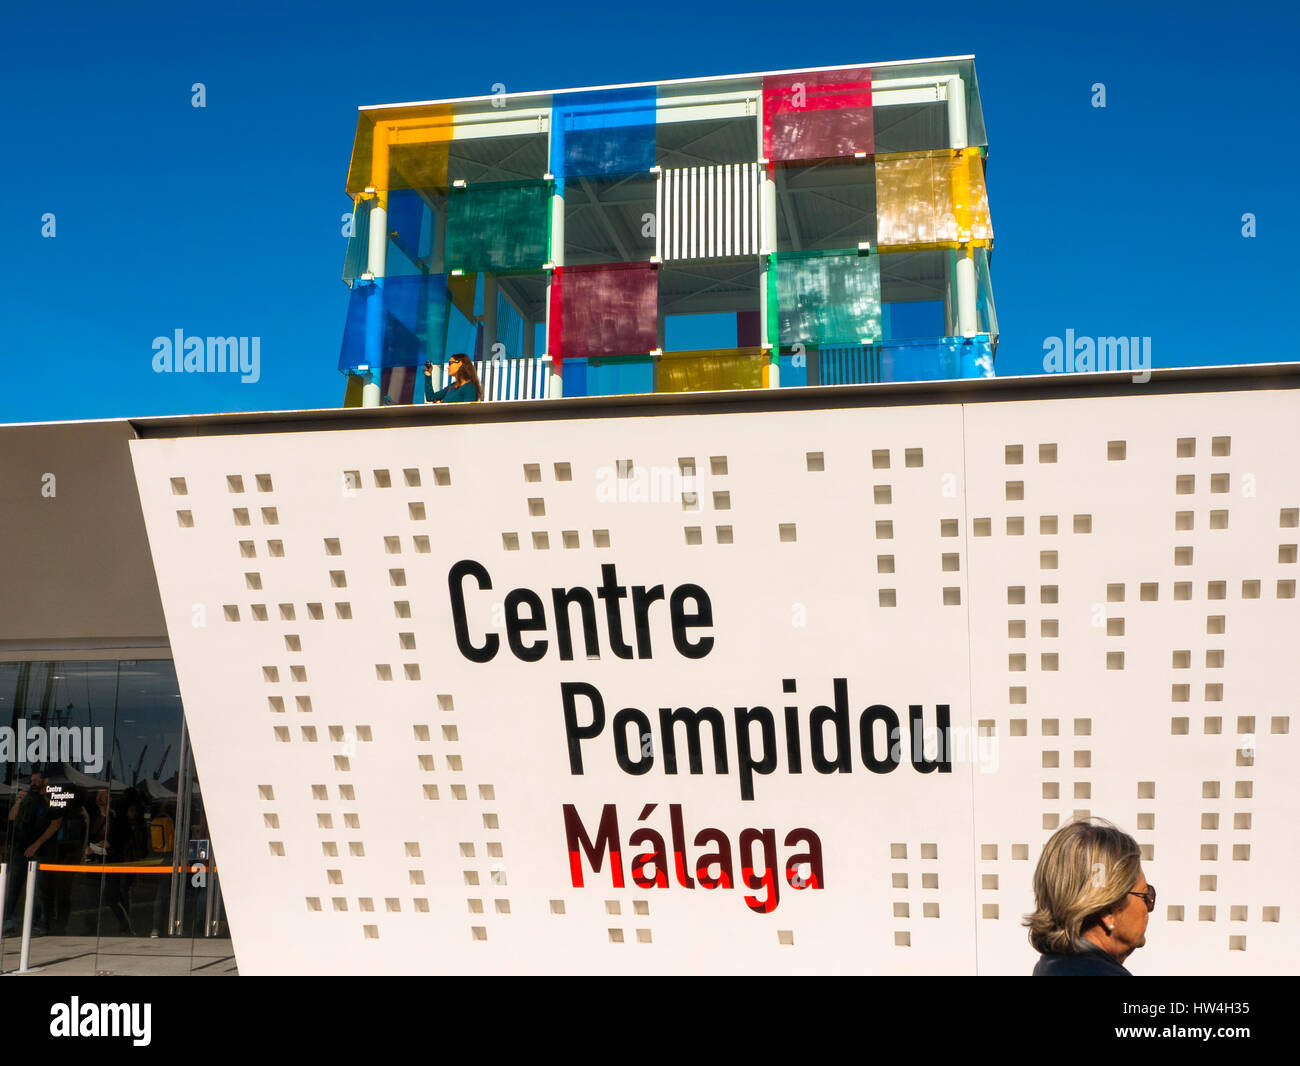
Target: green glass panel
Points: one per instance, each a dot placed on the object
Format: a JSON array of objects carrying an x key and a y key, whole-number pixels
[
  {"x": 773, "y": 333},
  {"x": 498, "y": 226},
  {"x": 827, "y": 297}
]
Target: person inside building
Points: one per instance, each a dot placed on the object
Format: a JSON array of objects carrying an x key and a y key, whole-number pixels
[
  {"x": 111, "y": 842},
  {"x": 463, "y": 386},
  {"x": 1092, "y": 900},
  {"x": 36, "y": 824}
]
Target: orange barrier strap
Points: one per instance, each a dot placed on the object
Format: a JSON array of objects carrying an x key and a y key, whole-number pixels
[{"x": 111, "y": 869}]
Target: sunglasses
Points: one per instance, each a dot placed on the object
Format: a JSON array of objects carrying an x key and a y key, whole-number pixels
[{"x": 1148, "y": 897}]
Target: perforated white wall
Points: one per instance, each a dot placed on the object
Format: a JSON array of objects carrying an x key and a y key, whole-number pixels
[{"x": 1101, "y": 590}]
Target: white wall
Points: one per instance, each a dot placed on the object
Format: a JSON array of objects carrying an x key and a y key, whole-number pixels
[{"x": 807, "y": 609}]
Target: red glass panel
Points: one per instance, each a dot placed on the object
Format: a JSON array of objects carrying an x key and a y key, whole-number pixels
[
  {"x": 608, "y": 309},
  {"x": 820, "y": 114}
]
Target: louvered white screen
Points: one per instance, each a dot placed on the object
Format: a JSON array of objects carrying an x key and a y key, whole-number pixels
[
  {"x": 708, "y": 212},
  {"x": 519, "y": 378}
]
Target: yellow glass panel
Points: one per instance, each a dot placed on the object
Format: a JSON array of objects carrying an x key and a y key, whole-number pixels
[
  {"x": 401, "y": 148},
  {"x": 352, "y": 394},
  {"x": 463, "y": 288},
  {"x": 928, "y": 199},
  {"x": 706, "y": 371}
]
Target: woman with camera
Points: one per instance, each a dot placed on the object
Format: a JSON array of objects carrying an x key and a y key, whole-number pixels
[{"x": 463, "y": 386}]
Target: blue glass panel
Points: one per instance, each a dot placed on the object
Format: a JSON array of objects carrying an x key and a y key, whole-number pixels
[
  {"x": 510, "y": 329},
  {"x": 914, "y": 320},
  {"x": 794, "y": 371},
  {"x": 406, "y": 224},
  {"x": 931, "y": 361},
  {"x": 613, "y": 375},
  {"x": 395, "y": 322},
  {"x": 937, "y": 360},
  {"x": 575, "y": 377},
  {"x": 603, "y": 133},
  {"x": 358, "y": 250}
]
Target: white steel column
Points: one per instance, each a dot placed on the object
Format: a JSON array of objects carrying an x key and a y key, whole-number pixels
[
  {"x": 24, "y": 957},
  {"x": 4, "y": 895},
  {"x": 765, "y": 223},
  {"x": 376, "y": 266},
  {"x": 956, "y": 94},
  {"x": 768, "y": 245},
  {"x": 557, "y": 259},
  {"x": 967, "y": 317}
]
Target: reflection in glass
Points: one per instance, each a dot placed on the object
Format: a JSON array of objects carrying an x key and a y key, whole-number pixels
[{"x": 98, "y": 784}]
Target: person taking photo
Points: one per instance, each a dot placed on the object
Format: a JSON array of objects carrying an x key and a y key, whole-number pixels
[{"x": 463, "y": 386}]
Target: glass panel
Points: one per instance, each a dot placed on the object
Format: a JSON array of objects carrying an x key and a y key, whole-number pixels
[
  {"x": 725, "y": 368},
  {"x": 397, "y": 384},
  {"x": 603, "y": 133},
  {"x": 464, "y": 291},
  {"x": 355, "y": 259},
  {"x": 398, "y": 321},
  {"x": 795, "y": 370},
  {"x": 509, "y": 330},
  {"x": 927, "y": 198},
  {"x": 821, "y": 298},
  {"x": 62, "y": 717},
  {"x": 107, "y": 774},
  {"x": 988, "y": 316},
  {"x": 611, "y": 376},
  {"x": 817, "y": 114},
  {"x": 401, "y": 148},
  {"x": 352, "y": 393},
  {"x": 499, "y": 226},
  {"x": 410, "y": 233},
  {"x": 604, "y": 310},
  {"x": 412, "y": 230},
  {"x": 854, "y": 364},
  {"x": 938, "y": 360}
]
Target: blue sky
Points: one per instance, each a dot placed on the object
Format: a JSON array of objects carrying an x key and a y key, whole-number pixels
[{"x": 225, "y": 220}]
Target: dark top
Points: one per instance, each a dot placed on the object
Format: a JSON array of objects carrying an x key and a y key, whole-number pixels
[
  {"x": 35, "y": 815},
  {"x": 1090, "y": 962},
  {"x": 452, "y": 393}
]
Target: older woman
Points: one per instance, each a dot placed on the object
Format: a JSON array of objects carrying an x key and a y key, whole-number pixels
[{"x": 1093, "y": 902}]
